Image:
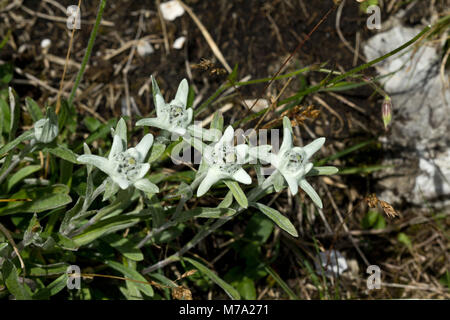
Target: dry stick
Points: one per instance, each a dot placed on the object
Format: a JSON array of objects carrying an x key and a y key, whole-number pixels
[
  {"x": 299, "y": 46},
  {"x": 163, "y": 27},
  {"x": 13, "y": 244},
  {"x": 58, "y": 98},
  {"x": 344, "y": 225},
  {"x": 341, "y": 36},
  {"x": 273, "y": 105},
  {"x": 207, "y": 36}
]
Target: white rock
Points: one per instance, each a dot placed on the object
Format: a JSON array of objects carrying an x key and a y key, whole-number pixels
[
  {"x": 332, "y": 263},
  {"x": 171, "y": 10},
  {"x": 260, "y": 105},
  {"x": 179, "y": 43},
  {"x": 144, "y": 48},
  {"x": 46, "y": 43}
]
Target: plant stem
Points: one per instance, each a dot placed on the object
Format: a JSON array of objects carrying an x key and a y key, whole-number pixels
[
  {"x": 88, "y": 50},
  {"x": 254, "y": 195}
]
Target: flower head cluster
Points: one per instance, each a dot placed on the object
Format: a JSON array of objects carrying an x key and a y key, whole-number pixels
[
  {"x": 223, "y": 160},
  {"x": 173, "y": 116},
  {"x": 293, "y": 163},
  {"x": 126, "y": 167}
]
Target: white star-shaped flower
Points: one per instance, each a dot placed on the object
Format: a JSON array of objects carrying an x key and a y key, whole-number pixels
[
  {"x": 293, "y": 162},
  {"x": 223, "y": 160},
  {"x": 173, "y": 116},
  {"x": 125, "y": 167}
]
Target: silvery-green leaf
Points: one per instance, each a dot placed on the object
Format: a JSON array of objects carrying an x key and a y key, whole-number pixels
[
  {"x": 146, "y": 186},
  {"x": 46, "y": 129},
  {"x": 20, "y": 175},
  {"x": 278, "y": 218},
  {"x": 12, "y": 106},
  {"x": 33, "y": 109},
  {"x": 156, "y": 152},
  {"x": 321, "y": 171},
  {"x": 107, "y": 226},
  {"x": 217, "y": 121},
  {"x": 311, "y": 193},
  {"x": 27, "y": 135},
  {"x": 63, "y": 153},
  {"x": 111, "y": 189},
  {"x": 227, "y": 201},
  {"x": 278, "y": 181},
  {"x": 238, "y": 193}
]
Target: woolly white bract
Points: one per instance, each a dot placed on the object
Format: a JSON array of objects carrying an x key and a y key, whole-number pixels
[
  {"x": 223, "y": 160},
  {"x": 173, "y": 116},
  {"x": 293, "y": 162},
  {"x": 126, "y": 167}
]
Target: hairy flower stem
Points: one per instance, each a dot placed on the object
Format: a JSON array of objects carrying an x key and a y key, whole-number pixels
[
  {"x": 254, "y": 195},
  {"x": 88, "y": 50}
]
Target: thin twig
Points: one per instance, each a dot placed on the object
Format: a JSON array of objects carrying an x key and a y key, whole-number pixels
[{"x": 13, "y": 244}]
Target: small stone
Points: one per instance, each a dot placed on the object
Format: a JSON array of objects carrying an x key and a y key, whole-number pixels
[
  {"x": 179, "y": 43},
  {"x": 46, "y": 43},
  {"x": 171, "y": 10}
]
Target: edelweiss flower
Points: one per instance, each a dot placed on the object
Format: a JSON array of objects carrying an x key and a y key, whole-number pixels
[
  {"x": 223, "y": 160},
  {"x": 173, "y": 116},
  {"x": 125, "y": 167},
  {"x": 293, "y": 162}
]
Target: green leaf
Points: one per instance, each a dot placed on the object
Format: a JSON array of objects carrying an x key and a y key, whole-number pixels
[
  {"x": 246, "y": 288},
  {"x": 107, "y": 226},
  {"x": 238, "y": 194},
  {"x": 63, "y": 153},
  {"x": 12, "y": 282},
  {"x": 52, "y": 289},
  {"x": 403, "y": 238},
  {"x": 20, "y": 175},
  {"x": 91, "y": 123},
  {"x": 33, "y": 109},
  {"x": 373, "y": 219},
  {"x": 281, "y": 282},
  {"x": 124, "y": 246},
  {"x": 201, "y": 212},
  {"x": 156, "y": 152},
  {"x": 132, "y": 274},
  {"x": 322, "y": 171},
  {"x": 38, "y": 270},
  {"x": 217, "y": 121},
  {"x": 227, "y": 201},
  {"x": 43, "y": 199},
  {"x": 277, "y": 217},
  {"x": 229, "y": 290},
  {"x": 27, "y": 135}
]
